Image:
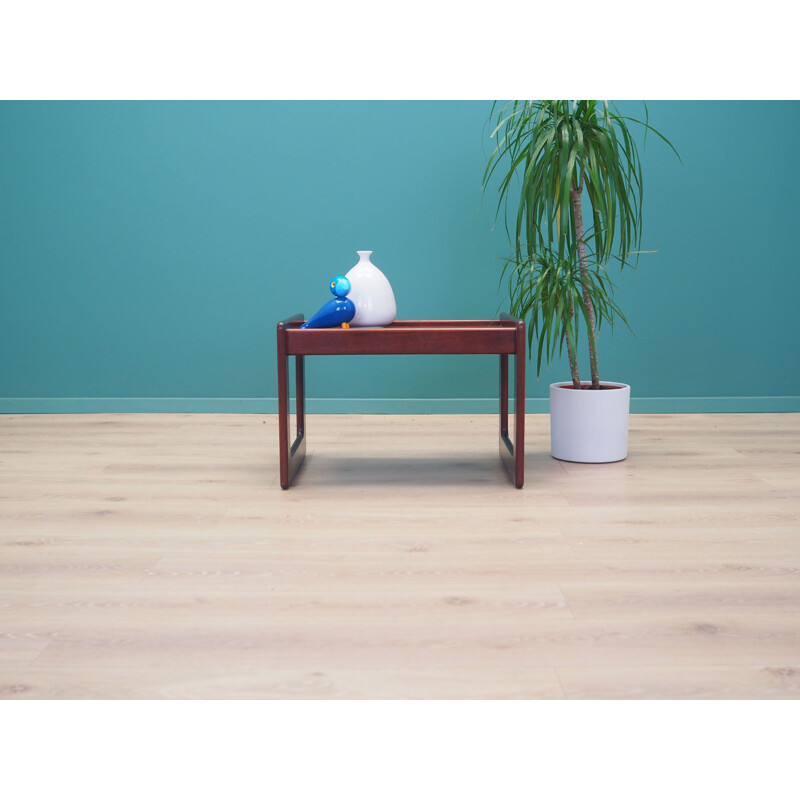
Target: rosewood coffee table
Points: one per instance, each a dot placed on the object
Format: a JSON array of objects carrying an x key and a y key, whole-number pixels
[{"x": 503, "y": 337}]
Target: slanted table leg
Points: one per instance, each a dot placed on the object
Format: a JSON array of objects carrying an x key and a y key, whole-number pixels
[{"x": 290, "y": 458}]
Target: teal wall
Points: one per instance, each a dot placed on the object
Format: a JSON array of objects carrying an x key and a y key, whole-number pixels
[{"x": 147, "y": 250}]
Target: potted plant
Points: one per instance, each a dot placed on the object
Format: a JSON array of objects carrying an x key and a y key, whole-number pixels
[{"x": 572, "y": 158}]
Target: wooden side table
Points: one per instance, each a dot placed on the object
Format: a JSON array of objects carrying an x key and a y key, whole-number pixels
[{"x": 503, "y": 337}]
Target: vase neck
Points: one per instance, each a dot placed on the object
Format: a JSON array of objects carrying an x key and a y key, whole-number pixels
[{"x": 364, "y": 255}]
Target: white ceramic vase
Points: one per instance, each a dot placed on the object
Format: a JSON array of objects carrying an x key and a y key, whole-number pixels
[
  {"x": 589, "y": 425},
  {"x": 372, "y": 294}
]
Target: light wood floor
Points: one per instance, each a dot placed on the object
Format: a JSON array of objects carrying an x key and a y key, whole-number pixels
[{"x": 156, "y": 556}]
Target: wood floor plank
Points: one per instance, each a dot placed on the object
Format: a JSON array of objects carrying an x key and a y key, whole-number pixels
[
  {"x": 24, "y": 637},
  {"x": 390, "y": 640},
  {"x": 739, "y": 599},
  {"x": 219, "y": 603},
  {"x": 235, "y": 682},
  {"x": 779, "y": 682}
]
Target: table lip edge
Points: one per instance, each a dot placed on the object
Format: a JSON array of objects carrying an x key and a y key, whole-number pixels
[{"x": 293, "y": 325}]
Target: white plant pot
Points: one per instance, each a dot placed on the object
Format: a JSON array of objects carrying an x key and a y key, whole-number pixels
[
  {"x": 589, "y": 425},
  {"x": 372, "y": 294}
]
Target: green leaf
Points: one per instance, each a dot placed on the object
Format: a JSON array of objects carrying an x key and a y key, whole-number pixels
[{"x": 545, "y": 148}]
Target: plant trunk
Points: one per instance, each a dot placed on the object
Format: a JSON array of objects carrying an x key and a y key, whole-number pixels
[
  {"x": 573, "y": 356},
  {"x": 575, "y": 194}
]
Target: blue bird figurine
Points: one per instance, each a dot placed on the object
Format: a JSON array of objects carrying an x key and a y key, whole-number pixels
[{"x": 336, "y": 312}]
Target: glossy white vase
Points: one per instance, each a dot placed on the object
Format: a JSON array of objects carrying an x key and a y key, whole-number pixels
[
  {"x": 372, "y": 294},
  {"x": 589, "y": 425}
]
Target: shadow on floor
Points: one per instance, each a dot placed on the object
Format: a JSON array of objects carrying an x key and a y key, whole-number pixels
[{"x": 476, "y": 470}]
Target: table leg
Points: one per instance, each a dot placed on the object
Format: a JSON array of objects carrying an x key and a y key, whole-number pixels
[
  {"x": 504, "y": 397},
  {"x": 290, "y": 458},
  {"x": 519, "y": 408},
  {"x": 300, "y": 395},
  {"x": 513, "y": 453}
]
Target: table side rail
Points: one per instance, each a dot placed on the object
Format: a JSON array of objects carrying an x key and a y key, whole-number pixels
[{"x": 401, "y": 341}]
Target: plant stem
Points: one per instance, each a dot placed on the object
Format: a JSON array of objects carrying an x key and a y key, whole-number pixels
[
  {"x": 575, "y": 194},
  {"x": 573, "y": 358}
]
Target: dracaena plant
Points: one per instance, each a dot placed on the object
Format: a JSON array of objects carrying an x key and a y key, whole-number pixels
[{"x": 566, "y": 153}]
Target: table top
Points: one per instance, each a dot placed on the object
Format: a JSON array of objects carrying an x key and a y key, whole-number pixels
[{"x": 505, "y": 335}]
